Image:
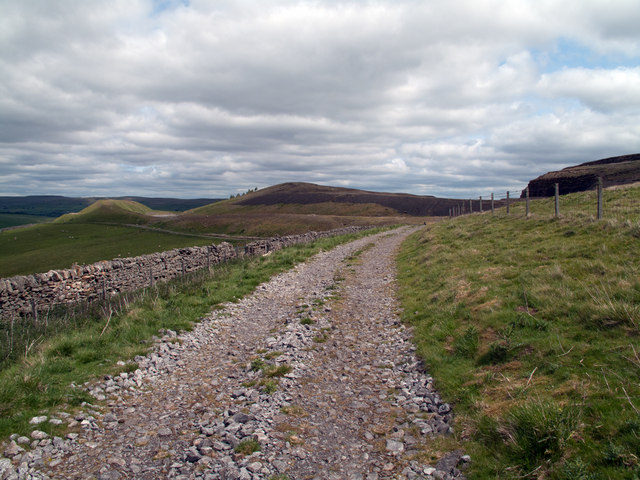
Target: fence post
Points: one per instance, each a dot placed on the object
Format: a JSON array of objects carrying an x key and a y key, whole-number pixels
[
  {"x": 507, "y": 202},
  {"x": 557, "y": 200},
  {"x": 34, "y": 310},
  {"x": 480, "y": 203},
  {"x": 599, "y": 198},
  {"x": 470, "y": 206},
  {"x": 527, "y": 202},
  {"x": 492, "y": 206}
]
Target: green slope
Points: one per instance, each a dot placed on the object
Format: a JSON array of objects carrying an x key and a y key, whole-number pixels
[
  {"x": 109, "y": 211},
  {"x": 531, "y": 328},
  {"x": 58, "y": 245}
]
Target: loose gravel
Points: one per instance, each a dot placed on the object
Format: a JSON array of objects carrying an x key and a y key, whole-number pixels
[{"x": 313, "y": 376}]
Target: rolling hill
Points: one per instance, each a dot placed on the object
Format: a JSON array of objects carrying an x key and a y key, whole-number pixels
[
  {"x": 15, "y": 211},
  {"x": 301, "y": 197},
  {"x": 109, "y": 211},
  {"x": 287, "y": 208}
]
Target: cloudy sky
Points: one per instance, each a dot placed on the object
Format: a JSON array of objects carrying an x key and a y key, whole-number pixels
[{"x": 205, "y": 98}]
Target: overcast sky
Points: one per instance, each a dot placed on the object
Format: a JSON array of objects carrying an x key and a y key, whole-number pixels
[{"x": 205, "y": 98}]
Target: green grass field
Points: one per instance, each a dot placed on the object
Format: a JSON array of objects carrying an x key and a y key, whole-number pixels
[
  {"x": 58, "y": 245},
  {"x": 13, "y": 220},
  {"x": 531, "y": 328}
]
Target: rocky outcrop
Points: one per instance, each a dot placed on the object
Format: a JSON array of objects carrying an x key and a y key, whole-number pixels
[
  {"x": 614, "y": 171},
  {"x": 26, "y": 295}
]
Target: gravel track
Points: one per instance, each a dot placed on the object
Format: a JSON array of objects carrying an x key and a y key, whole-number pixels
[{"x": 314, "y": 368}]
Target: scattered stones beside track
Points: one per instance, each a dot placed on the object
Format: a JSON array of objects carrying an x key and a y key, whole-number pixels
[{"x": 312, "y": 376}]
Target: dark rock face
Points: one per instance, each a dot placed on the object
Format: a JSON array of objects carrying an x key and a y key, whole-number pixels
[
  {"x": 614, "y": 171},
  {"x": 545, "y": 187}
]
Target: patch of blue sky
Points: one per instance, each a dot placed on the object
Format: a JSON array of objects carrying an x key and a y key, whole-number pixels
[
  {"x": 161, "y": 6},
  {"x": 543, "y": 105},
  {"x": 568, "y": 53}
]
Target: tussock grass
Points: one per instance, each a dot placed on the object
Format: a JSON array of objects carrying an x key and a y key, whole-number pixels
[
  {"x": 247, "y": 447},
  {"x": 530, "y": 327},
  {"x": 84, "y": 348}
]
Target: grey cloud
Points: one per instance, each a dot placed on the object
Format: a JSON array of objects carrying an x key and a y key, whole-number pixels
[{"x": 210, "y": 98}]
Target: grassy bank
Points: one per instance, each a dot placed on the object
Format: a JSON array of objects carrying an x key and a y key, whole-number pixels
[
  {"x": 79, "y": 349},
  {"x": 531, "y": 329}
]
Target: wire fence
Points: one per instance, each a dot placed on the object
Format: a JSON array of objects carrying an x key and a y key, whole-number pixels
[{"x": 619, "y": 203}]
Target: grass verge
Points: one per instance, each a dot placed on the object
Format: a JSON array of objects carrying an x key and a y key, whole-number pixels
[
  {"x": 530, "y": 328},
  {"x": 40, "y": 381}
]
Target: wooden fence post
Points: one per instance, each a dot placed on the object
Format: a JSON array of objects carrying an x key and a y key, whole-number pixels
[
  {"x": 470, "y": 206},
  {"x": 34, "y": 310},
  {"x": 527, "y": 194},
  {"x": 492, "y": 206},
  {"x": 557, "y": 200},
  {"x": 507, "y": 202},
  {"x": 480, "y": 203},
  {"x": 599, "y": 198}
]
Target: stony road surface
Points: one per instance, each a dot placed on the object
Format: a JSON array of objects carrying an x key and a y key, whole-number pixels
[{"x": 313, "y": 376}]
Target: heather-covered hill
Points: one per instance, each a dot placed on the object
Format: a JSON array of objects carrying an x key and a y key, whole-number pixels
[{"x": 301, "y": 197}]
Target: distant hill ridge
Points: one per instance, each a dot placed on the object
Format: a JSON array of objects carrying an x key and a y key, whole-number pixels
[
  {"x": 56, "y": 205},
  {"x": 301, "y": 193},
  {"x": 619, "y": 170}
]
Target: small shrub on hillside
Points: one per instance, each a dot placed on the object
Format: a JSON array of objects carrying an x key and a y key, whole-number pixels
[
  {"x": 280, "y": 371},
  {"x": 467, "y": 344},
  {"x": 576, "y": 469},
  {"x": 530, "y": 322},
  {"x": 257, "y": 364},
  {"x": 488, "y": 432},
  {"x": 247, "y": 447},
  {"x": 614, "y": 454},
  {"x": 499, "y": 352},
  {"x": 269, "y": 386},
  {"x": 540, "y": 431}
]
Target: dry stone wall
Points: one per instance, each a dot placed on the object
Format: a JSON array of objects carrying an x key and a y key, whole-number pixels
[{"x": 22, "y": 296}]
